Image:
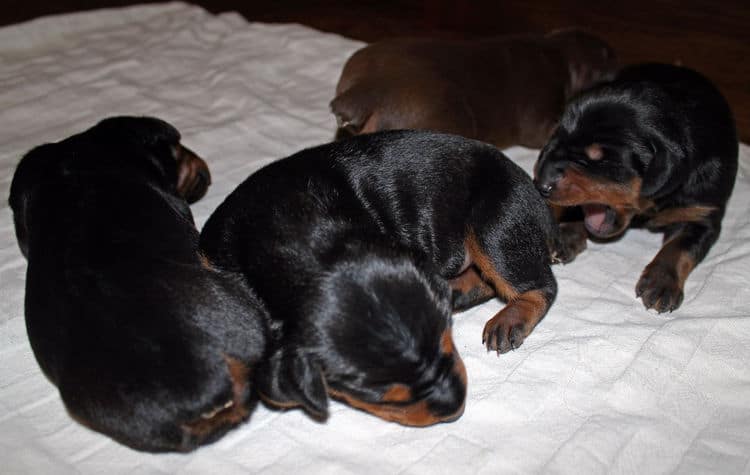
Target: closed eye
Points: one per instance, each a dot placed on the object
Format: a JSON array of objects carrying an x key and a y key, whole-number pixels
[{"x": 579, "y": 159}]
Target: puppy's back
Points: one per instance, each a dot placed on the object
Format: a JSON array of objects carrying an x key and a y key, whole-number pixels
[{"x": 142, "y": 337}]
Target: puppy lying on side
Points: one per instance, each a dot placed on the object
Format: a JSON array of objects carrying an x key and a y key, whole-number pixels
[
  {"x": 146, "y": 342},
  {"x": 656, "y": 148},
  {"x": 505, "y": 91},
  {"x": 351, "y": 245}
]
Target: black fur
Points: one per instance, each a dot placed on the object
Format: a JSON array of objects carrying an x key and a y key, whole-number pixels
[
  {"x": 666, "y": 134},
  {"x": 350, "y": 244},
  {"x": 122, "y": 314}
]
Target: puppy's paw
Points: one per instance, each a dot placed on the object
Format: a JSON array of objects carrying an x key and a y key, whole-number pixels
[
  {"x": 504, "y": 332},
  {"x": 659, "y": 288},
  {"x": 571, "y": 242}
]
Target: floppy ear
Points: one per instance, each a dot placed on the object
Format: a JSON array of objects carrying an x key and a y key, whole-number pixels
[
  {"x": 659, "y": 173},
  {"x": 291, "y": 380}
]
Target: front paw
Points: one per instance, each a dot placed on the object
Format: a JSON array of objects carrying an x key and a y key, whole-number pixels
[
  {"x": 504, "y": 332},
  {"x": 571, "y": 242},
  {"x": 659, "y": 288}
]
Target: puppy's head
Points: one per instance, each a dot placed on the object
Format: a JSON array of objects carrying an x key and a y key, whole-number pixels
[
  {"x": 379, "y": 339},
  {"x": 157, "y": 144},
  {"x": 590, "y": 59},
  {"x": 607, "y": 156},
  {"x": 141, "y": 149}
]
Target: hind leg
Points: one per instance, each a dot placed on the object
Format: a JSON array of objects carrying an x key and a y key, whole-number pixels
[
  {"x": 424, "y": 102},
  {"x": 521, "y": 276}
]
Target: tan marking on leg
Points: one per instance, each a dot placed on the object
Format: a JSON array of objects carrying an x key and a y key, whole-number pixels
[
  {"x": 692, "y": 214},
  {"x": 487, "y": 269},
  {"x": 507, "y": 330},
  {"x": 672, "y": 254},
  {"x": 510, "y": 326},
  {"x": 684, "y": 263}
]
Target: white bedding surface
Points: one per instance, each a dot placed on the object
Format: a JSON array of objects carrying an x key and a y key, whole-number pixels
[{"x": 602, "y": 385}]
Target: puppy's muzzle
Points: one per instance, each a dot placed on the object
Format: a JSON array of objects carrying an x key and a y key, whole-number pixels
[{"x": 547, "y": 178}]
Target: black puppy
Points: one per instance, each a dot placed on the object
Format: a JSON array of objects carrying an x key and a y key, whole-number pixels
[
  {"x": 350, "y": 246},
  {"x": 655, "y": 148},
  {"x": 145, "y": 341}
]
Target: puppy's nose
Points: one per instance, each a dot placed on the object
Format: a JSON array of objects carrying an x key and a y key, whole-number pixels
[
  {"x": 545, "y": 189},
  {"x": 547, "y": 179},
  {"x": 448, "y": 396}
]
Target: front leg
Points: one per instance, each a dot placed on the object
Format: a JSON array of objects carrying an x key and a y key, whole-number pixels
[
  {"x": 570, "y": 242},
  {"x": 571, "y": 236},
  {"x": 662, "y": 281},
  {"x": 519, "y": 275}
]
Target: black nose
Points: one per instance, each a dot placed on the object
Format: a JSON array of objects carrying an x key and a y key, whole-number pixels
[
  {"x": 448, "y": 396},
  {"x": 547, "y": 177},
  {"x": 545, "y": 189}
]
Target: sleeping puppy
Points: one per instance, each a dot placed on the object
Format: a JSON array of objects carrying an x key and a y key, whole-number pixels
[
  {"x": 505, "y": 91},
  {"x": 361, "y": 248},
  {"x": 146, "y": 342},
  {"x": 656, "y": 148}
]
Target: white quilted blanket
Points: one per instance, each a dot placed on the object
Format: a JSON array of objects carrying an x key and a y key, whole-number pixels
[{"x": 601, "y": 386}]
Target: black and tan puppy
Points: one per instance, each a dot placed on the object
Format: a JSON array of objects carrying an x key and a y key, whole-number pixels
[
  {"x": 655, "y": 148},
  {"x": 506, "y": 91},
  {"x": 145, "y": 341},
  {"x": 360, "y": 248}
]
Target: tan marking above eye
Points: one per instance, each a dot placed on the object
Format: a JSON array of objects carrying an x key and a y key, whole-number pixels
[{"x": 594, "y": 151}]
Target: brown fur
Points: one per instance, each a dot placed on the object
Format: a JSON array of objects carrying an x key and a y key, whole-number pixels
[{"x": 506, "y": 90}]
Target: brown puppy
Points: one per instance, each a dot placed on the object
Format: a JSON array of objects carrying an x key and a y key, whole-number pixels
[{"x": 507, "y": 90}]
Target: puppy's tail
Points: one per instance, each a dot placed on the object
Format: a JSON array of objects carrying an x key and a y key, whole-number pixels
[{"x": 353, "y": 109}]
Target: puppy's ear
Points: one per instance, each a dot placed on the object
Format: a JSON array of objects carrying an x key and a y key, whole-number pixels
[
  {"x": 39, "y": 164},
  {"x": 659, "y": 171},
  {"x": 292, "y": 380}
]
